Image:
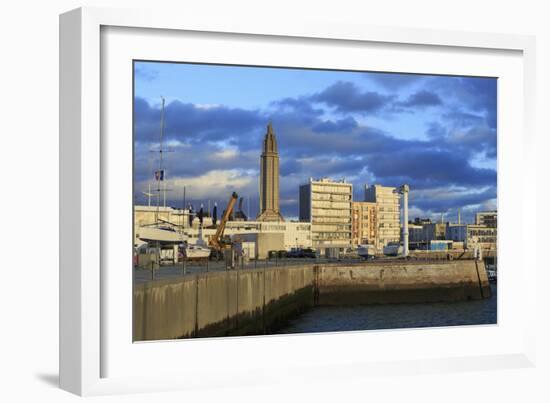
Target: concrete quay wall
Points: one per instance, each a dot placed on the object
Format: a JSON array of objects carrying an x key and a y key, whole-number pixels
[
  {"x": 259, "y": 301},
  {"x": 405, "y": 282},
  {"x": 220, "y": 303}
]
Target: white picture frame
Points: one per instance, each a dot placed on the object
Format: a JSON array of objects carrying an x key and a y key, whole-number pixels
[{"x": 85, "y": 305}]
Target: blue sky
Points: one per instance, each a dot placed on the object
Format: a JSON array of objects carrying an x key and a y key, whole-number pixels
[{"x": 436, "y": 133}]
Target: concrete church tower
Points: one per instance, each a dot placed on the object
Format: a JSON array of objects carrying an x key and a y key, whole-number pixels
[{"x": 269, "y": 179}]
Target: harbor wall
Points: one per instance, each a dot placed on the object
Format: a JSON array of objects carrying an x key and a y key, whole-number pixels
[
  {"x": 406, "y": 282},
  {"x": 221, "y": 303},
  {"x": 258, "y": 301}
]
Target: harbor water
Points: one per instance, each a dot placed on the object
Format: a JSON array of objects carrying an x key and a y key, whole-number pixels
[{"x": 395, "y": 316}]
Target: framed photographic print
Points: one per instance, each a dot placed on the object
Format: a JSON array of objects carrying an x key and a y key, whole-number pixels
[{"x": 258, "y": 193}]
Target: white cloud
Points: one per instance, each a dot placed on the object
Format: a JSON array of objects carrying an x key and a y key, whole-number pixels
[{"x": 213, "y": 184}]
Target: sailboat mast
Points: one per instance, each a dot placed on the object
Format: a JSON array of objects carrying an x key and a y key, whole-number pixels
[{"x": 160, "y": 174}]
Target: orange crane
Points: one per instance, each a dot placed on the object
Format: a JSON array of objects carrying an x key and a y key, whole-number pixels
[{"x": 217, "y": 242}]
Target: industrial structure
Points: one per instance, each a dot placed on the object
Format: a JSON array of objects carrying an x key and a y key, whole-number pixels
[{"x": 403, "y": 190}]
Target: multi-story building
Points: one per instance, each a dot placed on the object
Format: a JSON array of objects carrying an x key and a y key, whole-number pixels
[
  {"x": 327, "y": 205},
  {"x": 487, "y": 218},
  {"x": 387, "y": 213},
  {"x": 482, "y": 235},
  {"x": 456, "y": 232},
  {"x": 434, "y": 231},
  {"x": 363, "y": 223},
  {"x": 416, "y": 233},
  {"x": 472, "y": 235},
  {"x": 421, "y": 221}
]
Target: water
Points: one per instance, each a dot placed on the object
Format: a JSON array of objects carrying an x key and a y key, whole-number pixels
[{"x": 395, "y": 316}]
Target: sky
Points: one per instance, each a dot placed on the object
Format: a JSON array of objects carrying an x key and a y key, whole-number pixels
[{"x": 438, "y": 134}]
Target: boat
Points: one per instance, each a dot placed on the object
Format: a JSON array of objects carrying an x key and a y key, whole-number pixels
[
  {"x": 162, "y": 234},
  {"x": 195, "y": 251}
]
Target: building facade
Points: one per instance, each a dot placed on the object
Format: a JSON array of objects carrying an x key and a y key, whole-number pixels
[
  {"x": 387, "y": 214},
  {"x": 363, "y": 223},
  {"x": 327, "y": 205},
  {"x": 434, "y": 231},
  {"x": 416, "y": 233},
  {"x": 472, "y": 235},
  {"x": 481, "y": 235},
  {"x": 487, "y": 218},
  {"x": 269, "y": 179}
]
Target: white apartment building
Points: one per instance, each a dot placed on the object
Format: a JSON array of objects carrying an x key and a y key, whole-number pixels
[
  {"x": 326, "y": 204},
  {"x": 487, "y": 218},
  {"x": 387, "y": 213},
  {"x": 472, "y": 235}
]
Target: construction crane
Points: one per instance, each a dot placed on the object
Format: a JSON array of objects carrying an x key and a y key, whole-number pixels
[{"x": 217, "y": 242}]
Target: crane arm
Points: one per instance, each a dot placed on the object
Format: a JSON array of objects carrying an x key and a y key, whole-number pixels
[{"x": 215, "y": 241}]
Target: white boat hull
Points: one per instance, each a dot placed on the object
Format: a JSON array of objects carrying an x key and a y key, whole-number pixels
[
  {"x": 155, "y": 234},
  {"x": 196, "y": 252}
]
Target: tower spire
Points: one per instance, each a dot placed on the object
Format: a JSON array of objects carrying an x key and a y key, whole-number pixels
[{"x": 269, "y": 178}]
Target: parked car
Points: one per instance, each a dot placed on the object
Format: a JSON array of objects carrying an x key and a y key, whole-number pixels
[
  {"x": 301, "y": 253},
  {"x": 294, "y": 253},
  {"x": 277, "y": 254},
  {"x": 308, "y": 252}
]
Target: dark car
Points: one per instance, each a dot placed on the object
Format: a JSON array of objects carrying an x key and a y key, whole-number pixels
[
  {"x": 308, "y": 252},
  {"x": 294, "y": 253}
]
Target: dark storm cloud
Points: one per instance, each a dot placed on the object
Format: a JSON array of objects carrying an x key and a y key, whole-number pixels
[
  {"x": 421, "y": 99},
  {"x": 189, "y": 122},
  {"x": 193, "y": 160},
  {"x": 313, "y": 143},
  {"x": 454, "y": 201},
  {"x": 322, "y": 166},
  {"x": 475, "y": 140},
  {"x": 346, "y": 97},
  {"x": 335, "y": 126},
  {"x": 393, "y": 81},
  {"x": 300, "y": 105},
  {"x": 436, "y": 131},
  {"x": 466, "y": 133},
  {"x": 460, "y": 118},
  {"x": 428, "y": 168},
  {"x": 474, "y": 94}
]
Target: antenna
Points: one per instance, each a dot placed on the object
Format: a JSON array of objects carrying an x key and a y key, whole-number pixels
[
  {"x": 149, "y": 195},
  {"x": 160, "y": 174}
]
